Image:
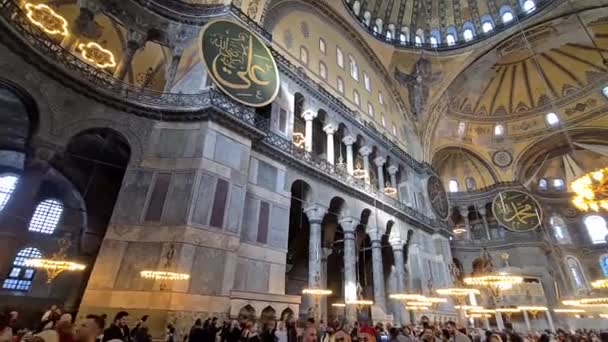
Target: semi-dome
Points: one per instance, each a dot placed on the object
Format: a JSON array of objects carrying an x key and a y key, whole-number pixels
[{"x": 439, "y": 24}]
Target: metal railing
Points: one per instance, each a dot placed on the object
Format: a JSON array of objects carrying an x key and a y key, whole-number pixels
[{"x": 174, "y": 105}]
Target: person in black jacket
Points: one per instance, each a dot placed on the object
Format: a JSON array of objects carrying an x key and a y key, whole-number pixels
[
  {"x": 196, "y": 332},
  {"x": 118, "y": 330}
]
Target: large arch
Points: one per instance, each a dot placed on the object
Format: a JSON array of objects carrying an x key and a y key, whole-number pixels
[{"x": 18, "y": 117}]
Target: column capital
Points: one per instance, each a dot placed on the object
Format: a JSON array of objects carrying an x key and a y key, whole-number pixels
[
  {"x": 379, "y": 161},
  {"x": 365, "y": 151},
  {"x": 348, "y": 140},
  {"x": 309, "y": 115},
  {"x": 464, "y": 212},
  {"x": 482, "y": 211},
  {"x": 136, "y": 39},
  {"x": 374, "y": 234},
  {"x": 349, "y": 224},
  {"x": 396, "y": 244},
  {"x": 315, "y": 213},
  {"x": 392, "y": 169},
  {"x": 330, "y": 129}
]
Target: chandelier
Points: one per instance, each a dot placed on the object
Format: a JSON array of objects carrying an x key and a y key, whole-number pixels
[
  {"x": 406, "y": 296},
  {"x": 338, "y": 305},
  {"x": 390, "y": 190},
  {"x": 54, "y": 267},
  {"x": 600, "y": 284},
  {"x": 163, "y": 275},
  {"x": 317, "y": 292},
  {"x": 534, "y": 310},
  {"x": 591, "y": 191},
  {"x": 595, "y": 301},
  {"x": 360, "y": 302},
  {"x": 358, "y": 172},
  {"x": 500, "y": 281},
  {"x": 458, "y": 291},
  {"x": 569, "y": 311}
]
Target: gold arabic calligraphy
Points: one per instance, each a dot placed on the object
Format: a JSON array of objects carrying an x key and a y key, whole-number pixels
[
  {"x": 236, "y": 57},
  {"x": 516, "y": 210}
]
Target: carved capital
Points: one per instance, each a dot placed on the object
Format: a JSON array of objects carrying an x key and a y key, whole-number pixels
[
  {"x": 392, "y": 169},
  {"x": 136, "y": 39},
  {"x": 349, "y": 224},
  {"x": 315, "y": 213},
  {"x": 379, "y": 161},
  {"x": 348, "y": 140},
  {"x": 365, "y": 151},
  {"x": 330, "y": 129},
  {"x": 309, "y": 115}
]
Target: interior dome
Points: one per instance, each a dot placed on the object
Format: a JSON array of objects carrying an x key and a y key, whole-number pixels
[{"x": 440, "y": 25}]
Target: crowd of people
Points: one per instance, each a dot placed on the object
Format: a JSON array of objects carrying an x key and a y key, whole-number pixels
[{"x": 55, "y": 326}]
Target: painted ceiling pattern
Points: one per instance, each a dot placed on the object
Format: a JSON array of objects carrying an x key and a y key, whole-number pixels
[{"x": 547, "y": 65}]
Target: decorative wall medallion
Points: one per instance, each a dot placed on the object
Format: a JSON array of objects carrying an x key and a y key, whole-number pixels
[
  {"x": 98, "y": 56},
  {"x": 438, "y": 197},
  {"x": 517, "y": 211},
  {"x": 239, "y": 63},
  {"x": 44, "y": 17},
  {"x": 502, "y": 158}
]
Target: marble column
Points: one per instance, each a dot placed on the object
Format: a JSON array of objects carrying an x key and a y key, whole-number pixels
[
  {"x": 392, "y": 171},
  {"x": 135, "y": 41},
  {"x": 550, "y": 320},
  {"x": 375, "y": 237},
  {"x": 349, "y": 226},
  {"x": 365, "y": 151},
  {"x": 349, "y": 141},
  {"x": 499, "y": 322},
  {"x": 326, "y": 252},
  {"x": 397, "y": 246},
  {"x": 315, "y": 215},
  {"x": 464, "y": 212},
  {"x": 483, "y": 212},
  {"x": 308, "y": 117},
  {"x": 379, "y": 161},
  {"x": 329, "y": 131},
  {"x": 527, "y": 320}
]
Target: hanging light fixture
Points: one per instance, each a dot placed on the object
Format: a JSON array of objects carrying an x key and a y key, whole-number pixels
[
  {"x": 569, "y": 311},
  {"x": 54, "y": 267},
  {"x": 600, "y": 284},
  {"x": 163, "y": 275},
  {"x": 338, "y": 305},
  {"x": 591, "y": 191},
  {"x": 534, "y": 310},
  {"x": 358, "y": 172},
  {"x": 317, "y": 292}
]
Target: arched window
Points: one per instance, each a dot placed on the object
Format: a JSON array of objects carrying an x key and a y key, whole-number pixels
[
  {"x": 453, "y": 185},
  {"x": 357, "y": 7},
  {"x": 383, "y": 119},
  {"x": 604, "y": 264},
  {"x": 7, "y": 186},
  {"x": 380, "y": 98},
  {"x": 354, "y": 69},
  {"x": 322, "y": 45},
  {"x": 375, "y": 28},
  {"x": 499, "y": 130},
  {"x": 402, "y": 38},
  {"x": 487, "y": 26},
  {"x": 470, "y": 183},
  {"x": 529, "y": 6},
  {"x": 605, "y": 91},
  {"x": 370, "y": 109},
  {"x": 462, "y": 128},
  {"x": 303, "y": 55},
  {"x": 340, "y": 57},
  {"x": 552, "y": 119},
  {"x": 20, "y": 276},
  {"x": 322, "y": 70},
  {"x": 507, "y": 17},
  {"x": 558, "y": 184},
  {"x": 340, "y": 85},
  {"x": 46, "y": 216},
  {"x": 418, "y": 40},
  {"x": 596, "y": 227},
  {"x": 394, "y": 129},
  {"x": 560, "y": 231},
  {"x": 356, "y": 98},
  {"x": 576, "y": 273},
  {"x": 467, "y": 35},
  {"x": 506, "y": 14},
  {"x": 389, "y": 35},
  {"x": 367, "y": 82},
  {"x": 450, "y": 39},
  {"x": 542, "y": 184},
  {"x": 433, "y": 41}
]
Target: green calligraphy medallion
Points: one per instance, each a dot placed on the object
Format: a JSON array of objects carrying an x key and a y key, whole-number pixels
[
  {"x": 239, "y": 63},
  {"x": 517, "y": 211}
]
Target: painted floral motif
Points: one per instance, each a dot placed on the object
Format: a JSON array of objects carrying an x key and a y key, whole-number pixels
[{"x": 94, "y": 53}]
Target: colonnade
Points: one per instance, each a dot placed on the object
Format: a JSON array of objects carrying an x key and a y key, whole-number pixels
[{"x": 316, "y": 255}]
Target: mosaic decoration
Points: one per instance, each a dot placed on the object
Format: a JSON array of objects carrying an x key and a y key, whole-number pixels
[
  {"x": 502, "y": 158},
  {"x": 516, "y": 211},
  {"x": 438, "y": 197},
  {"x": 239, "y": 63}
]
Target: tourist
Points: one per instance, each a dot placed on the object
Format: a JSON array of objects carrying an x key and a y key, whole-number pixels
[
  {"x": 141, "y": 332},
  {"x": 292, "y": 331},
  {"x": 170, "y": 333},
  {"x": 310, "y": 333},
  {"x": 495, "y": 338},
  {"x": 428, "y": 335},
  {"x": 89, "y": 328},
  {"x": 280, "y": 332},
  {"x": 267, "y": 334},
  {"x": 118, "y": 330},
  {"x": 250, "y": 333},
  {"x": 196, "y": 332},
  {"x": 224, "y": 331},
  {"x": 342, "y": 333},
  {"x": 141, "y": 321},
  {"x": 6, "y": 332},
  {"x": 235, "y": 332},
  {"x": 454, "y": 334},
  {"x": 354, "y": 333},
  {"x": 329, "y": 335}
]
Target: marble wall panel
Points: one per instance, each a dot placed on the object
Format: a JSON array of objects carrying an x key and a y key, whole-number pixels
[
  {"x": 267, "y": 175},
  {"x": 258, "y": 276},
  {"x": 132, "y": 197},
  {"x": 279, "y": 231},
  {"x": 204, "y": 199},
  {"x": 235, "y": 209},
  {"x": 171, "y": 143},
  {"x": 106, "y": 268},
  {"x": 249, "y": 230},
  {"x": 228, "y": 152},
  {"x": 178, "y": 199},
  {"x": 138, "y": 256},
  {"x": 207, "y": 274}
]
